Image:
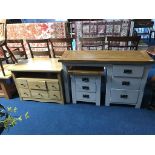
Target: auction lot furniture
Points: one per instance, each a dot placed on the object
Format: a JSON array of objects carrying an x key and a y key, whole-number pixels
[
  {"x": 126, "y": 73},
  {"x": 86, "y": 84},
  {"x": 39, "y": 79},
  {"x": 7, "y": 86}
]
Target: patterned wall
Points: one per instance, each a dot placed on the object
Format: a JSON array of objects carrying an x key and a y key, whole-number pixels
[{"x": 36, "y": 31}]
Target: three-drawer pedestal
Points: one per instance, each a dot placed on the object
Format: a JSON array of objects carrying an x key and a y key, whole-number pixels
[
  {"x": 125, "y": 84},
  {"x": 86, "y": 85}
]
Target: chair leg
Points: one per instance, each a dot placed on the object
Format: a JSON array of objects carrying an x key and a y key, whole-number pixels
[{"x": 2, "y": 68}]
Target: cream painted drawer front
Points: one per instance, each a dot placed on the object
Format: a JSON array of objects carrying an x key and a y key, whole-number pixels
[
  {"x": 24, "y": 92},
  {"x": 126, "y": 83},
  {"x": 22, "y": 83},
  {"x": 34, "y": 84},
  {"x": 39, "y": 94},
  {"x": 88, "y": 97},
  {"x": 84, "y": 87},
  {"x": 53, "y": 85},
  {"x": 54, "y": 95},
  {"x": 85, "y": 79},
  {"x": 124, "y": 96},
  {"x": 128, "y": 71}
]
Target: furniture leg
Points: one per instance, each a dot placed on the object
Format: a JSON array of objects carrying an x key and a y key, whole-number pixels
[{"x": 66, "y": 83}]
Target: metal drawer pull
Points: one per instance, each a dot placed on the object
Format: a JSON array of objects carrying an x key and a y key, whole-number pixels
[
  {"x": 85, "y": 96},
  {"x": 25, "y": 94},
  {"x": 126, "y": 83},
  {"x": 22, "y": 84},
  {"x": 37, "y": 86},
  {"x": 55, "y": 96},
  {"x": 85, "y": 79},
  {"x": 40, "y": 94},
  {"x": 85, "y": 87},
  {"x": 124, "y": 96},
  {"x": 127, "y": 71}
]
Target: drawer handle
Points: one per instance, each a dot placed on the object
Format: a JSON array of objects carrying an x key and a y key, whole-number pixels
[
  {"x": 25, "y": 94},
  {"x": 127, "y": 71},
  {"x": 40, "y": 94},
  {"x": 55, "y": 96},
  {"x": 85, "y": 96},
  {"x": 37, "y": 86},
  {"x": 124, "y": 96},
  {"x": 22, "y": 84},
  {"x": 126, "y": 83},
  {"x": 85, "y": 87},
  {"x": 85, "y": 79}
]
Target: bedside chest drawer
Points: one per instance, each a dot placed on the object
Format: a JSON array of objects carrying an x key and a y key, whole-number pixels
[
  {"x": 83, "y": 87},
  {"x": 39, "y": 94},
  {"x": 41, "y": 85},
  {"x": 88, "y": 97},
  {"x": 54, "y": 95},
  {"x": 22, "y": 83},
  {"x": 126, "y": 83},
  {"x": 128, "y": 71},
  {"x": 85, "y": 79},
  {"x": 25, "y": 92},
  {"x": 124, "y": 96},
  {"x": 53, "y": 85}
]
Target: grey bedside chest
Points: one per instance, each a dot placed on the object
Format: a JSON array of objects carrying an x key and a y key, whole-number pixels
[{"x": 86, "y": 84}]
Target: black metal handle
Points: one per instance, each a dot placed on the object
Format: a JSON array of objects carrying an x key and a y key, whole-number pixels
[
  {"x": 124, "y": 96},
  {"x": 40, "y": 94},
  {"x": 85, "y": 79},
  {"x": 85, "y": 96},
  {"x": 37, "y": 86},
  {"x": 127, "y": 71},
  {"x": 85, "y": 87},
  {"x": 126, "y": 83},
  {"x": 55, "y": 96},
  {"x": 25, "y": 93}
]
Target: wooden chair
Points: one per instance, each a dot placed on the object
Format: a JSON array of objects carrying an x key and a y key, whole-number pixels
[
  {"x": 92, "y": 43},
  {"x": 126, "y": 43},
  {"x": 39, "y": 47},
  {"x": 59, "y": 45},
  {"x": 17, "y": 47}
]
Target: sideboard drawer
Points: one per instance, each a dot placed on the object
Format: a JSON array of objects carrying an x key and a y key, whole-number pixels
[
  {"x": 54, "y": 95},
  {"x": 83, "y": 87},
  {"x": 128, "y": 71},
  {"x": 22, "y": 83},
  {"x": 88, "y": 97},
  {"x": 53, "y": 85},
  {"x": 85, "y": 79},
  {"x": 124, "y": 96},
  {"x": 39, "y": 94},
  {"x": 24, "y": 92},
  {"x": 41, "y": 85},
  {"x": 126, "y": 83}
]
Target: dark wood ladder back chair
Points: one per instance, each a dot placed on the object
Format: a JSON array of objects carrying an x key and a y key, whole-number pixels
[
  {"x": 5, "y": 53},
  {"x": 39, "y": 47},
  {"x": 59, "y": 45},
  {"x": 123, "y": 42},
  {"x": 92, "y": 43},
  {"x": 17, "y": 47}
]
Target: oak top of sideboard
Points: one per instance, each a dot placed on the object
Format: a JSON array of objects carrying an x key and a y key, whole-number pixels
[{"x": 106, "y": 56}]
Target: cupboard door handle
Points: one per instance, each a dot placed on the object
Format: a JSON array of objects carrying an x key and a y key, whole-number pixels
[
  {"x": 124, "y": 96},
  {"x": 127, "y": 71},
  {"x": 126, "y": 83},
  {"x": 22, "y": 84},
  {"x": 25, "y": 94},
  {"x": 85, "y": 87},
  {"x": 85, "y": 79},
  {"x": 85, "y": 96}
]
